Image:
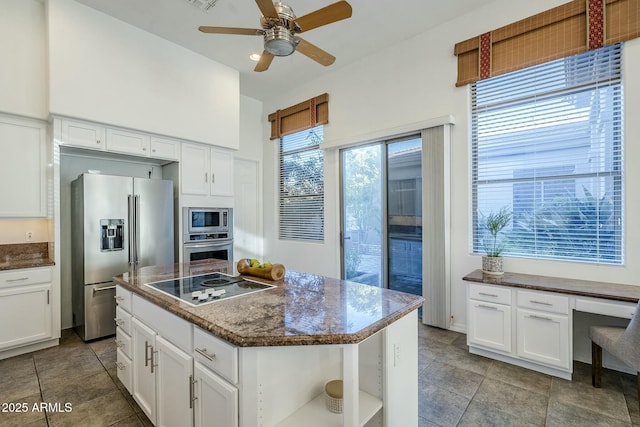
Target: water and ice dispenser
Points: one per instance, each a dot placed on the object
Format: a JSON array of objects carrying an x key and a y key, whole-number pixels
[{"x": 111, "y": 234}]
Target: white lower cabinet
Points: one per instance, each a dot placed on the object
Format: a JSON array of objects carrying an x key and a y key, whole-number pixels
[
  {"x": 143, "y": 358},
  {"x": 25, "y": 307},
  {"x": 173, "y": 385},
  {"x": 215, "y": 401},
  {"x": 543, "y": 337},
  {"x": 539, "y": 323}
]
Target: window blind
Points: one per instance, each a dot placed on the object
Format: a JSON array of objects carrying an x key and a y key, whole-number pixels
[
  {"x": 547, "y": 143},
  {"x": 302, "y": 186}
]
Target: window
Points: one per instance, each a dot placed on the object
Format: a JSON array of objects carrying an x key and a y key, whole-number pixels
[
  {"x": 302, "y": 186},
  {"x": 547, "y": 144}
]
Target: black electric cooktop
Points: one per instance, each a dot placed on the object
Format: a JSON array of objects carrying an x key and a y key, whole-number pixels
[{"x": 207, "y": 288}]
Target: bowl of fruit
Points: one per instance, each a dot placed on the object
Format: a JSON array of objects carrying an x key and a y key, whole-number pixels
[{"x": 267, "y": 270}]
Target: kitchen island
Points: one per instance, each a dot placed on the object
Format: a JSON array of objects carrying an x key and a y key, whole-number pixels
[{"x": 262, "y": 359}]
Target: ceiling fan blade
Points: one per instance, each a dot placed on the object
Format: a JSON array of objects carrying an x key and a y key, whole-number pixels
[
  {"x": 267, "y": 8},
  {"x": 314, "y": 52},
  {"x": 264, "y": 62},
  {"x": 230, "y": 30},
  {"x": 332, "y": 13}
]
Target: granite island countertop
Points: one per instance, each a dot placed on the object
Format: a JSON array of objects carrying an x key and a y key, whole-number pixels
[{"x": 302, "y": 309}]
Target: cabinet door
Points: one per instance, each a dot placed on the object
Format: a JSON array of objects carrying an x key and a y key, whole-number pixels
[
  {"x": 489, "y": 325},
  {"x": 127, "y": 142},
  {"x": 221, "y": 173},
  {"x": 194, "y": 169},
  {"x": 173, "y": 376},
  {"x": 543, "y": 337},
  {"x": 162, "y": 148},
  {"x": 123, "y": 365},
  {"x": 84, "y": 135},
  {"x": 23, "y": 168},
  {"x": 144, "y": 358},
  {"x": 25, "y": 315},
  {"x": 216, "y": 401}
]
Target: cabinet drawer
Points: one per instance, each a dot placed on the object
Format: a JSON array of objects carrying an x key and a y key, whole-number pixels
[
  {"x": 490, "y": 294},
  {"x": 125, "y": 370},
  {"x": 608, "y": 308},
  {"x": 543, "y": 301},
  {"x": 25, "y": 277},
  {"x": 216, "y": 354},
  {"x": 123, "y": 341},
  {"x": 123, "y": 320},
  {"x": 168, "y": 325},
  {"x": 123, "y": 298}
]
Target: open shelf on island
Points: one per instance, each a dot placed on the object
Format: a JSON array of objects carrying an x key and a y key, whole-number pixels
[{"x": 315, "y": 413}]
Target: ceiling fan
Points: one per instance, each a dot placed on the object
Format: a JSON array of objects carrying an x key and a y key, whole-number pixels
[{"x": 280, "y": 27}]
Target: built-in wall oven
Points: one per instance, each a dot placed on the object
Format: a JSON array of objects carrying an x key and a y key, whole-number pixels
[{"x": 208, "y": 233}]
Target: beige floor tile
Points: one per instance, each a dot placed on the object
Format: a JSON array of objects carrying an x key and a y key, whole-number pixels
[{"x": 101, "y": 411}]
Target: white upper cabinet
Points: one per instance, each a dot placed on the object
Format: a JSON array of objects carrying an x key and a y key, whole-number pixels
[
  {"x": 128, "y": 142},
  {"x": 81, "y": 134},
  {"x": 95, "y": 136},
  {"x": 165, "y": 148},
  {"x": 23, "y": 167},
  {"x": 206, "y": 171}
]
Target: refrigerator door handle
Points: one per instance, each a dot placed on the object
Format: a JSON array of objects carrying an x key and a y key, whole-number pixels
[
  {"x": 131, "y": 229},
  {"x": 137, "y": 228}
]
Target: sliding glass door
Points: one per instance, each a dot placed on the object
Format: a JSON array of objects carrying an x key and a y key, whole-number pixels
[
  {"x": 382, "y": 214},
  {"x": 362, "y": 215}
]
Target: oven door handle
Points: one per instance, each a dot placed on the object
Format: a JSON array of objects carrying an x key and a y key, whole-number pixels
[{"x": 208, "y": 245}]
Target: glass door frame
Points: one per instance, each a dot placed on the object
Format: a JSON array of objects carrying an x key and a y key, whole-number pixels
[{"x": 384, "y": 143}]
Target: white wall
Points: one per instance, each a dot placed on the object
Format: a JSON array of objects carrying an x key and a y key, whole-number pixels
[
  {"x": 413, "y": 82},
  {"x": 23, "y": 73},
  {"x": 105, "y": 70}
]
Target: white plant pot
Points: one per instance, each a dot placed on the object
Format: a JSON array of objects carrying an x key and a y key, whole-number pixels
[{"x": 492, "y": 265}]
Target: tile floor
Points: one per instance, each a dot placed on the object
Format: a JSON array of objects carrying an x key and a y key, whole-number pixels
[{"x": 456, "y": 389}]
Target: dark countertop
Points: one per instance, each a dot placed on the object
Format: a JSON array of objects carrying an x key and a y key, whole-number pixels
[
  {"x": 303, "y": 309},
  {"x": 24, "y": 255},
  {"x": 585, "y": 288}
]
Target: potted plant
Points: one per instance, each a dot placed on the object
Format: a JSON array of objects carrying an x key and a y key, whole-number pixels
[{"x": 494, "y": 244}]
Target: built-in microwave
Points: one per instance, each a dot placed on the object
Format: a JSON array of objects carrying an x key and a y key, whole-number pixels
[{"x": 208, "y": 221}]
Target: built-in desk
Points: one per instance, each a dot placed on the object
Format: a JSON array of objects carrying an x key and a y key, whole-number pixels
[{"x": 528, "y": 320}]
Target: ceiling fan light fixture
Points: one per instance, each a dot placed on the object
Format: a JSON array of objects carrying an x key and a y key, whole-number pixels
[
  {"x": 279, "y": 41},
  {"x": 254, "y": 57}
]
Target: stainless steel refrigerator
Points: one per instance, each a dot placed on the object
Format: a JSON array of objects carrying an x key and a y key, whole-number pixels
[{"x": 117, "y": 223}]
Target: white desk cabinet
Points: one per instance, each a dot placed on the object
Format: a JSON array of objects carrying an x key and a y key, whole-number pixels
[{"x": 535, "y": 314}]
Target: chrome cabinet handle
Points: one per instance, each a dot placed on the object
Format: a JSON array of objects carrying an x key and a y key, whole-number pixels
[
  {"x": 548, "y": 319},
  {"x": 540, "y": 302},
  {"x": 120, "y": 366},
  {"x": 118, "y": 298},
  {"x": 487, "y": 307},
  {"x": 146, "y": 353},
  {"x": 488, "y": 295},
  {"x": 119, "y": 343},
  {"x": 192, "y": 391},
  {"x": 206, "y": 354},
  {"x": 119, "y": 322},
  {"x": 153, "y": 359},
  {"x": 19, "y": 279},
  {"x": 97, "y": 141}
]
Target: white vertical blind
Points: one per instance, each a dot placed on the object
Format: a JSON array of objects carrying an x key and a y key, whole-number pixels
[
  {"x": 302, "y": 186},
  {"x": 547, "y": 143}
]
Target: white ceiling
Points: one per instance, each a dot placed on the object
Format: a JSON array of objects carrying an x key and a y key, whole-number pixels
[{"x": 374, "y": 25}]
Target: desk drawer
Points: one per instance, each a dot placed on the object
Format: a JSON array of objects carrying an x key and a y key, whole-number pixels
[
  {"x": 544, "y": 301},
  {"x": 606, "y": 307},
  {"x": 490, "y": 294},
  {"x": 216, "y": 354}
]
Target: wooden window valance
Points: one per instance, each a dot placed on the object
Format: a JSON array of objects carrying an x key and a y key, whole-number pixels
[
  {"x": 565, "y": 30},
  {"x": 305, "y": 115}
]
